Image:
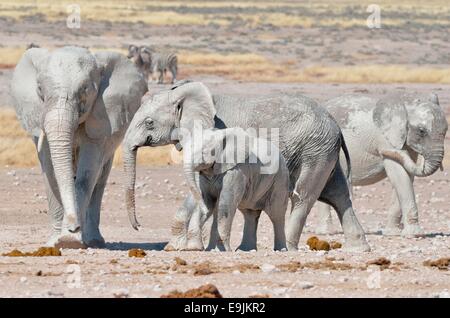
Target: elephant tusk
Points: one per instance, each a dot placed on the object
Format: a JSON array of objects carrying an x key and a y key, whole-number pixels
[{"x": 40, "y": 141}]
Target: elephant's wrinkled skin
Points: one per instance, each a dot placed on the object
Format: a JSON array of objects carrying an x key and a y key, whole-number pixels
[
  {"x": 76, "y": 106},
  {"x": 238, "y": 171},
  {"x": 309, "y": 139},
  {"x": 400, "y": 136}
]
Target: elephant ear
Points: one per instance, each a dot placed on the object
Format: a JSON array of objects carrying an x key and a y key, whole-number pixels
[
  {"x": 235, "y": 148},
  {"x": 193, "y": 106},
  {"x": 119, "y": 96},
  {"x": 25, "y": 92},
  {"x": 391, "y": 117}
]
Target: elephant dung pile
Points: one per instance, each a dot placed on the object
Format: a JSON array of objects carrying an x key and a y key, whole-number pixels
[
  {"x": 315, "y": 244},
  {"x": 136, "y": 252},
  {"x": 383, "y": 262},
  {"x": 40, "y": 252},
  {"x": 442, "y": 263},
  {"x": 204, "y": 291}
]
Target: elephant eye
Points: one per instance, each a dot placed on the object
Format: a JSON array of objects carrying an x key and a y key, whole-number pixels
[
  {"x": 149, "y": 124},
  {"x": 39, "y": 92},
  {"x": 422, "y": 131}
]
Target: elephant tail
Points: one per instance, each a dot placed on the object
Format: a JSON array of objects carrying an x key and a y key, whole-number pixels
[{"x": 349, "y": 165}]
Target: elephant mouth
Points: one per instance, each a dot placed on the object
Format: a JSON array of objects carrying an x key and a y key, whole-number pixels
[{"x": 148, "y": 141}]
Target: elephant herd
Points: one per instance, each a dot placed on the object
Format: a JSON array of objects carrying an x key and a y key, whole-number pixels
[{"x": 78, "y": 107}]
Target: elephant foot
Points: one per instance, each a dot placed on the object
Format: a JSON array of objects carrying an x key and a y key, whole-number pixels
[
  {"x": 98, "y": 242},
  {"x": 292, "y": 247},
  {"x": 357, "y": 246},
  {"x": 92, "y": 237},
  {"x": 412, "y": 230},
  {"x": 176, "y": 244},
  {"x": 391, "y": 230},
  {"x": 246, "y": 247},
  {"x": 181, "y": 245},
  {"x": 194, "y": 245},
  {"x": 280, "y": 248},
  {"x": 66, "y": 240}
]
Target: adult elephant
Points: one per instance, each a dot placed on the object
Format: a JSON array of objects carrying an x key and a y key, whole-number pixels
[
  {"x": 309, "y": 139},
  {"x": 76, "y": 106},
  {"x": 400, "y": 136}
]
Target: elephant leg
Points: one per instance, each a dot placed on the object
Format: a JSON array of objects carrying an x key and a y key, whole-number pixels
[
  {"x": 91, "y": 234},
  {"x": 403, "y": 185},
  {"x": 394, "y": 216},
  {"x": 249, "y": 236},
  {"x": 325, "y": 220},
  {"x": 180, "y": 224},
  {"x": 278, "y": 220},
  {"x": 225, "y": 216},
  {"x": 214, "y": 233},
  {"x": 89, "y": 170},
  {"x": 307, "y": 190},
  {"x": 199, "y": 217},
  {"x": 337, "y": 194},
  {"x": 161, "y": 77},
  {"x": 59, "y": 237}
]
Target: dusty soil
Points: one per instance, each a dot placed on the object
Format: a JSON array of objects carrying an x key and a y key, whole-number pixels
[
  {"x": 395, "y": 267},
  {"x": 111, "y": 272}
]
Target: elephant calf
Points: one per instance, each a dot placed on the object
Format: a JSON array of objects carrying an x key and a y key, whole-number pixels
[
  {"x": 245, "y": 176},
  {"x": 236, "y": 171}
]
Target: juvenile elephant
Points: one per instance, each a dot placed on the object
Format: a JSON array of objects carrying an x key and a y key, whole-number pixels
[
  {"x": 238, "y": 171},
  {"x": 76, "y": 106},
  {"x": 309, "y": 139},
  {"x": 400, "y": 136}
]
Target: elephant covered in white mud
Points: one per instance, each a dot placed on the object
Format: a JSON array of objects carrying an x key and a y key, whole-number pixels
[
  {"x": 76, "y": 106},
  {"x": 237, "y": 171},
  {"x": 400, "y": 136},
  {"x": 309, "y": 139}
]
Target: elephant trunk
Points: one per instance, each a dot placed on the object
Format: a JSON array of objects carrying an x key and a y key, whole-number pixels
[
  {"x": 189, "y": 173},
  {"x": 59, "y": 127},
  {"x": 129, "y": 164},
  {"x": 425, "y": 165}
]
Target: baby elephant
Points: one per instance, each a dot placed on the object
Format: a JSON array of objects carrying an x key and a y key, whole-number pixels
[{"x": 237, "y": 171}]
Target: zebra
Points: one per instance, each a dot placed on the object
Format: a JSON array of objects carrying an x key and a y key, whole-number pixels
[
  {"x": 163, "y": 62},
  {"x": 142, "y": 58},
  {"x": 149, "y": 62}
]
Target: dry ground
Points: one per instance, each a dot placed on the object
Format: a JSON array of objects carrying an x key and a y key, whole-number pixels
[
  {"x": 319, "y": 48},
  {"x": 109, "y": 272}
]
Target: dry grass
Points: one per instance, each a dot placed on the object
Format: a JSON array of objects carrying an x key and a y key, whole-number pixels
[
  {"x": 10, "y": 55},
  {"x": 275, "y": 13},
  {"x": 253, "y": 67},
  {"x": 17, "y": 149}
]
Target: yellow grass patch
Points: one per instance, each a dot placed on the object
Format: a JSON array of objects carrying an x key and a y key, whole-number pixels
[
  {"x": 9, "y": 56},
  {"x": 275, "y": 14},
  {"x": 368, "y": 74},
  {"x": 253, "y": 67},
  {"x": 17, "y": 148}
]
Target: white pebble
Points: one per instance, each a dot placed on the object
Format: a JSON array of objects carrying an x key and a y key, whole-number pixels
[
  {"x": 305, "y": 285},
  {"x": 268, "y": 268}
]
